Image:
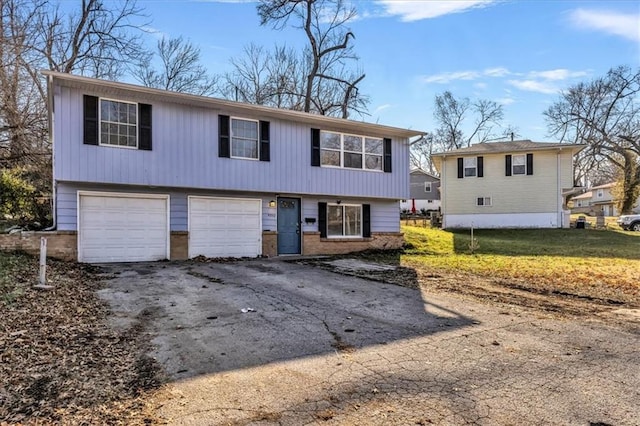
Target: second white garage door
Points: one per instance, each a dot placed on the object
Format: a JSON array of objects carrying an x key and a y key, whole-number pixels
[{"x": 225, "y": 227}]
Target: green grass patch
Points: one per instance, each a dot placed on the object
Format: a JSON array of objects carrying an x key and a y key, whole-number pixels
[{"x": 555, "y": 258}]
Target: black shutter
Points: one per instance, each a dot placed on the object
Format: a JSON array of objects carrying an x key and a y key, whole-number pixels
[
  {"x": 144, "y": 132},
  {"x": 480, "y": 166},
  {"x": 529, "y": 164},
  {"x": 322, "y": 219},
  {"x": 90, "y": 120},
  {"x": 223, "y": 136},
  {"x": 507, "y": 165},
  {"x": 387, "y": 155},
  {"x": 264, "y": 141},
  {"x": 460, "y": 168},
  {"x": 366, "y": 220},
  {"x": 315, "y": 148}
]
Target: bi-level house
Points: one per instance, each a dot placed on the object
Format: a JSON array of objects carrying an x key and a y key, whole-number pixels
[
  {"x": 517, "y": 184},
  {"x": 144, "y": 174}
]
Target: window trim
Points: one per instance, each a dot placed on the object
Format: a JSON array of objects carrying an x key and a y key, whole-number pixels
[
  {"x": 342, "y": 205},
  {"x": 513, "y": 165},
  {"x": 231, "y": 118},
  {"x": 425, "y": 186},
  {"x": 137, "y": 125},
  {"x": 363, "y": 151},
  {"x": 484, "y": 202}
]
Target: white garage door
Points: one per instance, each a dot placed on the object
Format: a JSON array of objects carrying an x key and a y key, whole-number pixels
[
  {"x": 122, "y": 227},
  {"x": 224, "y": 227}
]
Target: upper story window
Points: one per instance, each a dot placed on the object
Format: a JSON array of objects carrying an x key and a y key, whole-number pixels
[
  {"x": 115, "y": 123},
  {"x": 350, "y": 151},
  {"x": 244, "y": 138},
  {"x": 518, "y": 164},
  {"x": 427, "y": 187},
  {"x": 470, "y": 165},
  {"x": 600, "y": 193},
  {"x": 118, "y": 123}
]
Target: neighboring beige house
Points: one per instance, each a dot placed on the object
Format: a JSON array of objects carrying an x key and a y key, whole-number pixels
[
  {"x": 517, "y": 184},
  {"x": 599, "y": 200},
  {"x": 424, "y": 192}
]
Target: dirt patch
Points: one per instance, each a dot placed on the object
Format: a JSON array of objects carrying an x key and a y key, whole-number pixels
[{"x": 61, "y": 362}]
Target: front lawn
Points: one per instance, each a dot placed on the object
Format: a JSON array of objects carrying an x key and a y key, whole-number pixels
[{"x": 595, "y": 262}]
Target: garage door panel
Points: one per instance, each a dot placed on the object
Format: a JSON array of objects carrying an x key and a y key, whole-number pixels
[
  {"x": 122, "y": 228},
  {"x": 225, "y": 227}
]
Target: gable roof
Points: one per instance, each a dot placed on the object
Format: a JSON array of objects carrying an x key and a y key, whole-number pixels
[
  {"x": 512, "y": 146},
  {"x": 423, "y": 172},
  {"x": 324, "y": 122},
  {"x": 605, "y": 185}
]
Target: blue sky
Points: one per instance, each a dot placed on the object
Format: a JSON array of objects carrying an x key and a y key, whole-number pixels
[{"x": 519, "y": 53}]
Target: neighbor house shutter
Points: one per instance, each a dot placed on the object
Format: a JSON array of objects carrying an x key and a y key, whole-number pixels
[
  {"x": 265, "y": 137},
  {"x": 460, "y": 168},
  {"x": 144, "y": 120},
  {"x": 507, "y": 165},
  {"x": 315, "y": 147},
  {"x": 322, "y": 219},
  {"x": 366, "y": 220},
  {"x": 223, "y": 136},
  {"x": 387, "y": 155},
  {"x": 529, "y": 164},
  {"x": 480, "y": 166},
  {"x": 90, "y": 120}
]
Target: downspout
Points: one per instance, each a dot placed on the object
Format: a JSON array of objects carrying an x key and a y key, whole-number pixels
[
  {"x": 559, "y": 203},
  {"x": 443, "y": 198},
  {"x": 50, "y": 114}
]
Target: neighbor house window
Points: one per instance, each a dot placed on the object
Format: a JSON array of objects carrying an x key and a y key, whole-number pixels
[
  {"x": 519, "y": 164},
  {"x": 470, "y": 164},
  {"x": 351, "y": 151},
  {"x": 427, "y": 187},
  {"x": 600, "y": 193},
  {"x": 483, "y": 201},
  {"x": 344, "y": 220},
  {"x": 244, "y": 138},
  {"x": 118, "y": 123}
]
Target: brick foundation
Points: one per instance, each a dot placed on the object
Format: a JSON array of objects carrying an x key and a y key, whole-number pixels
[
  {"x": 179, "y": 245},
  {"x": 313, "y": 244},
  {"x": 60, "y": 244},
  {"x": 269, "y": 243}
]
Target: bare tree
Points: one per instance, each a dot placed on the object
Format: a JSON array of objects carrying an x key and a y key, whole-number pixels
[
  {"x": 180, "y": 69},
  {"x": 330, "y": 87},
  {"x": 605, "y": 115},
  {"x": 95, "y": 40},
  {"x": 462, "y": 121}
]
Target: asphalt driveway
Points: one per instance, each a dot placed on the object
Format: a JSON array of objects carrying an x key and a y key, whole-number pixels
[{"x": 274, "y": 342}]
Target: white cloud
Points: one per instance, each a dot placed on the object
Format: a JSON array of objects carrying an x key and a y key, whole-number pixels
[
  {"x": 381, "y": 108},
  {"x": 507, "y": 100},
  {"x": 417, "y": 10},
  {"x": 615, "y": 23},
  {"x": 447, "y": 77},
  {"x": 496, "y": 72},
  {"x": 534, "y": 86},
  {"x": 480, "y": 85},
  {"x": 557, "y": 74}
]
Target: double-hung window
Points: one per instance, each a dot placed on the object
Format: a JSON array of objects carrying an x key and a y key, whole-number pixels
[
  {"x": 427, "y": 187},
  {"x": 483, "y": 201},
  {"x": 470, "y": 165},
  {"x": 351, "y": 151},
  {"x": 519, "y": 164},
  {"x": 244, "y": 138},
  {"x": 118, "y": 123},
  {"x": 344, "y": 220}
]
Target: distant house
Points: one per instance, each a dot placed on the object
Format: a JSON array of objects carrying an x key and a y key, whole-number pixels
[
  {"x": 142, "y": 174},
  {"x": 424, "y": 193},
  {"x": 517, "y": 184},
  {"x": 599, "y": 200}
]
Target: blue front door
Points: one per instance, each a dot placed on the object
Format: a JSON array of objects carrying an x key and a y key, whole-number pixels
[{"x": 288, "y": 226}]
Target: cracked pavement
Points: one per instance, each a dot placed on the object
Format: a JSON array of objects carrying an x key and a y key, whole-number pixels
[{"x": 272, "y": 342}]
